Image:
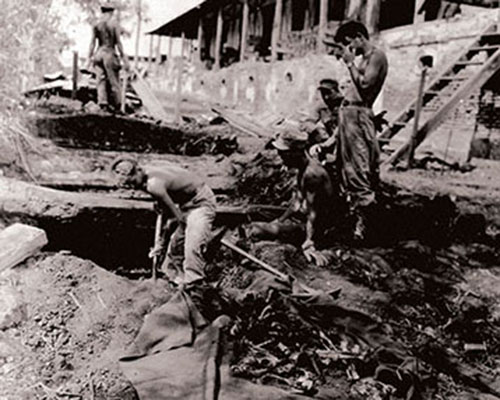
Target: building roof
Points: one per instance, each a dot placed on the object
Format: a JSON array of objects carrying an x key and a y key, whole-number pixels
[
  {"x": 479, "y": 3},
  {"x": 186, "y": 22}
]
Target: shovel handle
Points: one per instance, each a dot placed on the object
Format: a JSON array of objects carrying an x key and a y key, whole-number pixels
[{"x": 158, "y": 227}]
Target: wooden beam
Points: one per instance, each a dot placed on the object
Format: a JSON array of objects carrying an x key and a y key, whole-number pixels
[
  {"x": 150, "y": 60},
  {"x": 278, "y": 15},
  {"x": 200, "y": 39},
  {"x": 158, "y": 51},
  {"x": 323, "y": 23},
  {"x": 218, "y": 38},
  {"x": 138, "y": 34},
  {"x": 244, "y": 29},
  {"x": 75, "y": 75},
  {"x": 372, "y": 16},
  {"x": 169, "y": 54},
  {"x": 481, "y": 76},
  {"x": 19, "y": 242},
  {"x": 148, "y": 98},
  {"x": 178, "y": 87}
]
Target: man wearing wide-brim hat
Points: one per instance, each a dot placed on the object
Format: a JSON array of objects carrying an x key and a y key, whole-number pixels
[
  {"x": 316, "y": 195},
  {"x": 105, "y": 60}
]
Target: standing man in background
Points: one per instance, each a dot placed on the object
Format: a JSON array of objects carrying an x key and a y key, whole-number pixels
[
  {"x": 358, "y": 150},
  {"x": 105, "y": 60}
]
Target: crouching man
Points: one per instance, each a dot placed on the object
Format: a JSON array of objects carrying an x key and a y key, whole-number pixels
[
  {"x": 184, "y": 197},
  {"x": 316, "y": 197}
]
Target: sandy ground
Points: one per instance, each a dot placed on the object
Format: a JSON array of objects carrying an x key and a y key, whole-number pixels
[{"x": 69, "y": 320}]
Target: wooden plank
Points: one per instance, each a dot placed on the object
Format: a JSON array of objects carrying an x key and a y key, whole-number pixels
[
  {"x": 323, "y": 21},
  {"x": 19, "y": 242},
  {"x": 478, "y": 79},
  {"x": 149, "y": 100},
  {"x": 218, "y": 38},
  {"x": 276, "y": 34},
  {"x": 244, "y": 29},
  {"x": 242, "y": 124}
]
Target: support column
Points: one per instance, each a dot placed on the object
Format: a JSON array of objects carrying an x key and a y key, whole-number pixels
[
  {"x": 372, "y": 16},
  {"x": 200, "y": 39},
  {"x": 178, "y": 89},
  {"x": 74, "y": 90},
  {"x": 169, "y": 54},
  {"x": 418, "y": 4},
  {"x": 218, "y": 38},
  {"x": 150, "y": 60},
  {"x": 138, "y": 33},
  {"x": 158, "y": 51},
  {"x": 244, "y": 29},
  {"x": 323, "y": 23},
  {"x": 278, "y": 15}
]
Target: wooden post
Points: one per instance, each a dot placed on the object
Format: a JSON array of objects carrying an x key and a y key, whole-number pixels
[
  {"x": 178, "y": 89},
  {"x": 123, "y": 97},
  {"x": 75, "y": 75},
  {"x": 150, "y": 60},
  {"x": 158, "y": 52},
  {"x": 138, "y": 33},
  {"x": 278, "y": 11},
  {"x": 323, "y": 23},
  {"x": 418, "y": 4},
  {"x": 218, "y": 38},
  {"x": 416, "y": 118},
  {"x": 372, "y": 15},
  {"x": 244, "y": 29},
  {"x": 169, "y": 54},
  {"x": 200, "y": 39}
]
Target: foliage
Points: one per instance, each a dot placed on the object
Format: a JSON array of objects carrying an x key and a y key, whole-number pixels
[{"x": 30, "y": 40}]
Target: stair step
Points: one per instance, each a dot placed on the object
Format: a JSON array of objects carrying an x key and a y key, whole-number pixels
[
  {"x": 484, "y": 48},
  {"x": 470, "y": 63},
  {"x": 452, "y": 78}
]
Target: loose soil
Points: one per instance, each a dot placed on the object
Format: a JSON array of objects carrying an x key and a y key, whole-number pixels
[{"x": 72, "y": 319}]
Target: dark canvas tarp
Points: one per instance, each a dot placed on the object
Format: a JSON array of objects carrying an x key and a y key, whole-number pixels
[{"x": 177, "y": 355}]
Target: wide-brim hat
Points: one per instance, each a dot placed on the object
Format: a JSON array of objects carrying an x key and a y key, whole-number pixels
[
  {"x": 291, "y": 138},
  {"x": 328, "y": 84},
  {"x": 108, "y": 6}
]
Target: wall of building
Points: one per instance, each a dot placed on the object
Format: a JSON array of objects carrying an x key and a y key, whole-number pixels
[{"x": 288, "y": 87}]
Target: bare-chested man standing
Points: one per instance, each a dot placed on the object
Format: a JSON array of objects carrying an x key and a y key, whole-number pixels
[{"x": 358, "y": 147}]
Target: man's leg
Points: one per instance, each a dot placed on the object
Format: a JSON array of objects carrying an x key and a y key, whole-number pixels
[
  {"x": 172, "y": 265},
  {"x": 359, "y": 161},
  {"x": 198, "y": 233},
  {"x": 113, "y": 75},
  {"x": 102, "y": 93}
]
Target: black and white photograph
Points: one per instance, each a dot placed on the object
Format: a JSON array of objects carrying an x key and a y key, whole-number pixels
[{"x": 249, "y": 199}]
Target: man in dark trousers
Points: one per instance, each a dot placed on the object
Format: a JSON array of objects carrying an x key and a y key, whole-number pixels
[
  {"x": 107, "y": 65},
  {"x": 358, "y": 150}
]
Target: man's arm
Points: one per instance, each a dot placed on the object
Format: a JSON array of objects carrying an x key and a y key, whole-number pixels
[
  {"x": 158, "y": 190},
  {"x": 368, "y": 79},
  {"x": 316, "y": 185},
  {"x": 119, "y": 46}
]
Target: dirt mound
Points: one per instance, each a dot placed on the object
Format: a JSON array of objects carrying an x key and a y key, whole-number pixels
[{"x": 77, "y": 321}]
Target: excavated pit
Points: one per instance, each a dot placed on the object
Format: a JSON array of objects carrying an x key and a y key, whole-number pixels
[{"x": 124, "y": 133}]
